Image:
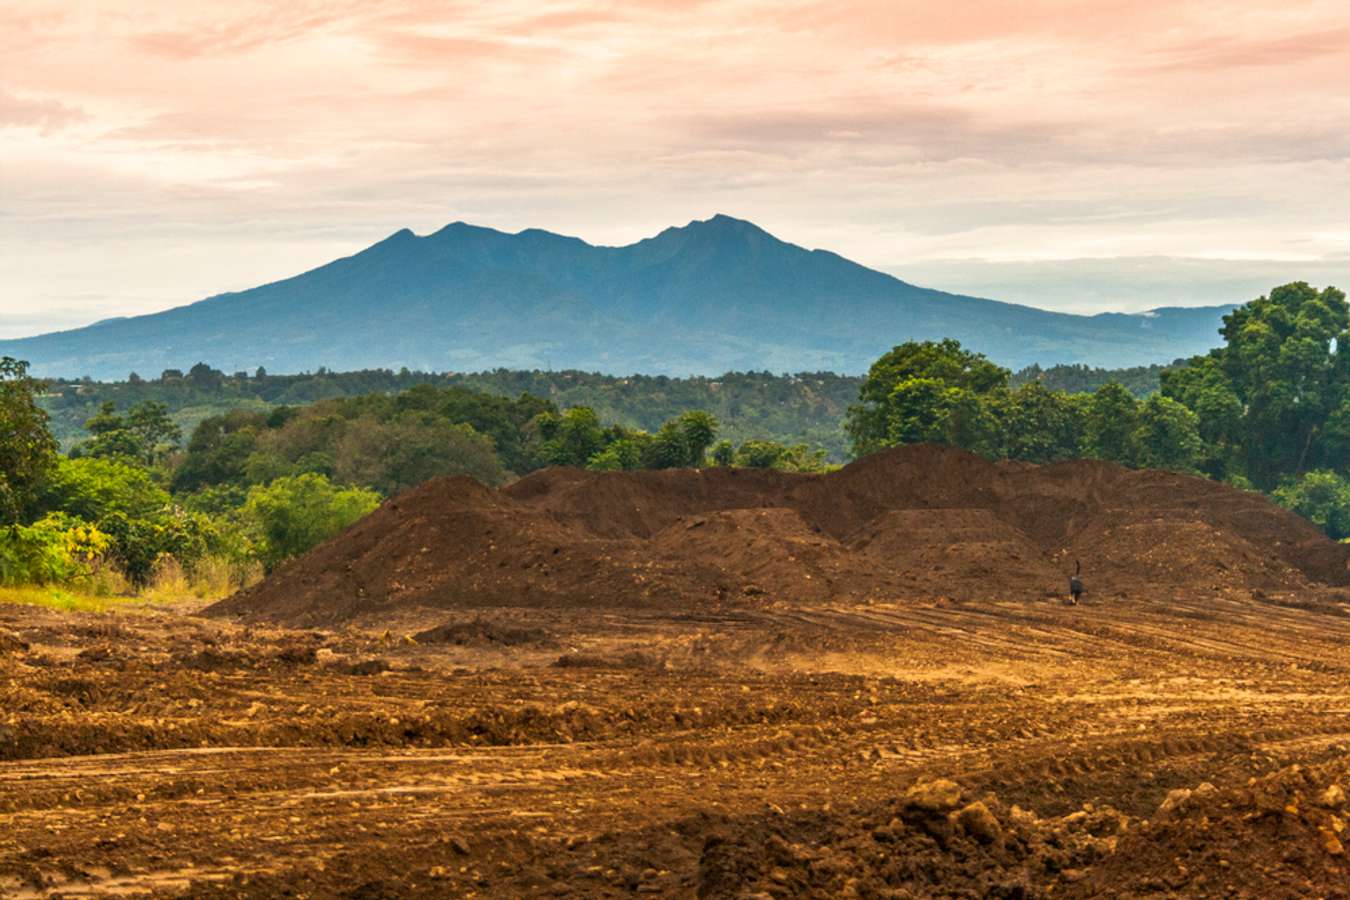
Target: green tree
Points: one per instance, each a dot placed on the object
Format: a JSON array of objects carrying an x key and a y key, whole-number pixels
[
  {"x": 1039, "y": 425},
  {"x": 155, "y": 430},
  {"x": 572, "y": 438},
  {"x": 219, "y": 450},
  {"x": 668, "y": 449},
  {"x": 27, "y": 449},
  {"x": 395, "y": 455},
  {"x": 1167, "y": 436},
  {"x": 294, "y": 514},
  {"x": 917, "y": 410},
  {"x": 1285, "y": 362},
  {"x": 105, "y": 421},
  {"x": 1322, "y": 497},
  {"x": 146, "y": 433},
  {"x": 123, "y": 501},
  {"x": 760, "y": 454},
  {"x": 624, "y": 453},
  {"x": 905, "y": 393},
  {"x": 94, "y": 488},
  {"x": 700, "y": 430},
  {"x": 1112, "y": 417},
  {"x": 1205, "y": 388}
]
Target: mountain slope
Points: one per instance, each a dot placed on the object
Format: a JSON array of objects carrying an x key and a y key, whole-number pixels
[{"x": 713, "y": 296}]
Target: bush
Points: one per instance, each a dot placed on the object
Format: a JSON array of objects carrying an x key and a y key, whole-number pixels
[
  {"x": 1321, "y": 497},
  {"x": 295, "y": 513},
  {"x": 94, "y": 489},
  {"x": 137, "y": 515},
  {"x": 54, "y": 550}
]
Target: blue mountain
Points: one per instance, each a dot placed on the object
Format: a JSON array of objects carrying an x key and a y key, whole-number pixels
[{"x": 712, "y": 296}]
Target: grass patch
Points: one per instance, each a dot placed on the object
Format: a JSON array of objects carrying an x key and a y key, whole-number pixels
[{"x": 65, "y": 599}]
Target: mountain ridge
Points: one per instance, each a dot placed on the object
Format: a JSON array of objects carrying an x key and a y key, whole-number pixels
[{"x": 714, "y": 295}]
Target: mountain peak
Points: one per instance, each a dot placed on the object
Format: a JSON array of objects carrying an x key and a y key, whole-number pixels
[
  {"x": 725, "y": 224},
  {"x": 721, "y": 231},
  {"x": 400, "y": 236}
]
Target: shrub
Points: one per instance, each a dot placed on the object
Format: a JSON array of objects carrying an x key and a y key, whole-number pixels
[
  {"x": 54, "y": 550},
  {"x": 1321, "y": 497},
  {"x": 295, "y": 513}
]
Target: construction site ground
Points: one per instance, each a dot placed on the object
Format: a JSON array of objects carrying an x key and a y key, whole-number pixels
[{"x": 1182, "y": 745}]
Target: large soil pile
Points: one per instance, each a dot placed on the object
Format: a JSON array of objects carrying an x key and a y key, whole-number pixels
[{"x": 917, "y": 522}]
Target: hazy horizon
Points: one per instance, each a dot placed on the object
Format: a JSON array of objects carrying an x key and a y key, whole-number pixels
[{"x": 1055, "y": 154}]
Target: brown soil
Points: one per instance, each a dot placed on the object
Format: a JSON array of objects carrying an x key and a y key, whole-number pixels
[
  {"x": 1193, "y": 748},
  {"x": 910, "y": 524},
  {"x": 667, "y": 705}
]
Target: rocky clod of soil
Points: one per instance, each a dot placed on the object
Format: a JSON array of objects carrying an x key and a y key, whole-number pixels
[{"x": 1281, "y": 836}]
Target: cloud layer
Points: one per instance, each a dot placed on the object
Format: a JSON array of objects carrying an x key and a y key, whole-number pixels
[{"x": 151, "y": 154}]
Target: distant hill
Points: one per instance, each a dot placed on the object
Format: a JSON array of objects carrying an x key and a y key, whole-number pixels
[{"x": 713, "y": 296}]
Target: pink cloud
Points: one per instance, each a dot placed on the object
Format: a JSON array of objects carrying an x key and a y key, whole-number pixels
[
  {"x": 1219, "y": 54},
  {"x": 45, "y": 115}
]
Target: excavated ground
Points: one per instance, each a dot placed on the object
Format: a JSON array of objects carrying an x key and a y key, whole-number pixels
[
  {"x": 963, "y": 749},
  {"x": 713, "y": 685}
]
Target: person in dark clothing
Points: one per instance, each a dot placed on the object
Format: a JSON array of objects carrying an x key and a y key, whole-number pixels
[{"x": 1076, "y": 583}]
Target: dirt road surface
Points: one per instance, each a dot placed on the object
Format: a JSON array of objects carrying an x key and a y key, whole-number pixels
[{"x": 1194, "y": 746}]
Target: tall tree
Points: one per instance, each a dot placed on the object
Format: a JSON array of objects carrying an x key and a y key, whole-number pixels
[
  {"x": 1167, "y": 436},
  {"x": 27, "y": 449},
  {"x": 906, "y": 392},
  {"x": 1286, "y": 359},
  {"x": 156, "y": 432},
  {"x": 1112, "y": 417}
]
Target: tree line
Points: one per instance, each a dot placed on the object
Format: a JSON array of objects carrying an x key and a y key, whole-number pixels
[
  {"x": 1268, "y": 410},
  {"x": 801, "y": 408}
]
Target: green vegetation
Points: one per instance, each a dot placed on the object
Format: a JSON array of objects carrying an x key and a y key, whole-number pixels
[
  {"x": 297, "y": 512},
  {"x": 1270, "y": 409},
  {"x": 1322, "y": 497},
  {"x": 1275, "y": 399},
  {"x": 1080, "y": 379},
  {"x": 804, "y": 408},
  {"x": 27, "y": 451},
  {"x": 66, "y": 599},
  {"x": 130, "y": 510}
]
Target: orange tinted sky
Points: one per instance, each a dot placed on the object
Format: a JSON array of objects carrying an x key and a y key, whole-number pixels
[{"x": 154, "y": 153}]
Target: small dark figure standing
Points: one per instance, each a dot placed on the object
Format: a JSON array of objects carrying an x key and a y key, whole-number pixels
[{"x": 1076, "y": 583}]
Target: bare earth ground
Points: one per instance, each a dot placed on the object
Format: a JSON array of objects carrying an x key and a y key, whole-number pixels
[{"x": 1013, "y": 748}]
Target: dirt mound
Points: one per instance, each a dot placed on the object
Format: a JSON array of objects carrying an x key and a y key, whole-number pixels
[
  {"x": 914, "y": 522},
  {"x": 957, "y": 553},
  {"x": 480, "y": 633}
]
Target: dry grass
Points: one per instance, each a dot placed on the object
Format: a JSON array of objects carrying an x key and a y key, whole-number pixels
[
  {"x": 66, "y": 599},
  {"x": 212, "y": 578}
]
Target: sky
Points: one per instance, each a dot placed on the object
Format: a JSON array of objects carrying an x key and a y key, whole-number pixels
[{"x": 1084, "y": 156}]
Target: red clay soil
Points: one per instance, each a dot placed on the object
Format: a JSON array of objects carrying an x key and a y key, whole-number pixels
[{"x": 918, "y": 522}]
